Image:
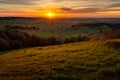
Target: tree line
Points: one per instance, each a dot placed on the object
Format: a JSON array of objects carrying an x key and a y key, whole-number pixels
[
  {"x": 99, "y": 24},
  {"x": 15, "y": 39}
]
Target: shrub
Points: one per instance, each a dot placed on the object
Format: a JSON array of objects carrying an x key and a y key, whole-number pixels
[
  {"x": 82, "y": 38},
  {"x": 54, "y": 40},
  {"x": 76, "y": 39},
  {"x": 16, "y": 44},
  {"x": 36, "y": 41},
  {"x": 3, "y": 35},
  {"x": 66, "y": 40},
  {"x": 4, "y": 44},
  {"x": 112, "y": 34}
]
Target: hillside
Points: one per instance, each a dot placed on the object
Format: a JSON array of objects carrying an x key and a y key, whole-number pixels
[{"x": 98, "y": 60}]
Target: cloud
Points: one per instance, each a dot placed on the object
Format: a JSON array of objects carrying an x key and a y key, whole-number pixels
[
  {"x": 114, "y": 5},
  {"x": 66, "y": 9},
  {"x": 65, "y": 6},
  {"x": 20, "y": 2},
  {"x": 80, "y": 10},
  {"x": 92, "y": 6},
  {"x": 87, "y": 10}
]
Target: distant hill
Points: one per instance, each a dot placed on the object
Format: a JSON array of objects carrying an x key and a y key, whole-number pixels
[{"x": 12, "y": 18}]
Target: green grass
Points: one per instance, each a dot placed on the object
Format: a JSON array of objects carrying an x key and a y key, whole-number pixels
[
  {"x": 83, "y": 31},
  {"x": 44, "y": 34},
  {"x": 92, "y": 60}
]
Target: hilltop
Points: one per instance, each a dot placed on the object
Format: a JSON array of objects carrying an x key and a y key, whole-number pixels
[{"x": 90, "y": 60}]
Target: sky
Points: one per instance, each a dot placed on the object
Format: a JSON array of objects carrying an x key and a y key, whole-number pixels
[{"x": 63, "y": 8}]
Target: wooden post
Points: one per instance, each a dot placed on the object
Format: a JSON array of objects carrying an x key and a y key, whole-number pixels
[{"x": 101, "y": 33}]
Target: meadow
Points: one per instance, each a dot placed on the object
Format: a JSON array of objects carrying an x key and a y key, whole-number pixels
[
  {"x": 62, "y": 28},
  {"x": 88, "y": 60}
]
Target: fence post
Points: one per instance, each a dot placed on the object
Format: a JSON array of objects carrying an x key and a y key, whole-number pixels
[{"x": 101, "y": 33}]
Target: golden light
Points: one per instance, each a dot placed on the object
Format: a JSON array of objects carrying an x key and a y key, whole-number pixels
[{"x": 50, "y": 14}]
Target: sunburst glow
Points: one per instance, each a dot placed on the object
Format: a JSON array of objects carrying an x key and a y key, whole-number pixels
[
  {"x": 50, "y": 15},
  {"x": 60, "y": 8}
]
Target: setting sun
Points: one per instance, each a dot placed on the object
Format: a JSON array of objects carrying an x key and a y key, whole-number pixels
[{"x": 50, "y": 14}]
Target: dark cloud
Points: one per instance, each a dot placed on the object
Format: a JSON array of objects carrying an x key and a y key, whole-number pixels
[
  {"x": 72, "y": 6},
  {"x": 114, "y": 5},
  {"x": 20, "y": 2},
  {"x": 87, "y": 10},
  {"x": 80, "y": 10},
  {"x": 66, "y": 9}
]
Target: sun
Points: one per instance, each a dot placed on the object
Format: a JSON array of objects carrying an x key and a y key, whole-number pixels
[{"x": 50, "y": 14}]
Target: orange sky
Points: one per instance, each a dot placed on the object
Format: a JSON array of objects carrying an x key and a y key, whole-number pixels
[{"x": 61, "y": 8}]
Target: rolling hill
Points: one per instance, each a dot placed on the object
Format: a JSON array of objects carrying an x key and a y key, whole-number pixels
[
  {"x": 90, "y": 60},
  {"x": 62, "y": 28}
]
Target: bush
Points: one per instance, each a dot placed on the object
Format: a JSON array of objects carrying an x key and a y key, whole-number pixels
[
  {"x": 3, "y": 35},
  {"x": 37, "y": 41},
  {"x": 4, "y": 44},
  {"x": 16, "y": 44},
  {"x": 82, "y": 38},
  {"x": 112, "y": 34},
  {"x": 76, "y": 39},
  {"x": 54, "y": 40}
]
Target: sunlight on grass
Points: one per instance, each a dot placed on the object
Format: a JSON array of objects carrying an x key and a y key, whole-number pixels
[{"x": 74, "y": 61}]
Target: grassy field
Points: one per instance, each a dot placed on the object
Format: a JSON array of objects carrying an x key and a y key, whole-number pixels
[
  {"x": 41, "y": 23},
  {"x": 92, "y": 60},
  {"x": 83, "y": 31},
  {"x": 59, "y": 27}
]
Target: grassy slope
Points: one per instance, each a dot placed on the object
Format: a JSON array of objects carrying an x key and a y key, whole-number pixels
[{"x": 75, "y": 61}]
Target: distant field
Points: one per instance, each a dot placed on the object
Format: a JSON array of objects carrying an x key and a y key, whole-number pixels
[
  {"x": 57, "y": 27},
  {"x": 84, "y": 31},
  {"x": 41, "y": 23},
  {"x": 76, "y": 61}
]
